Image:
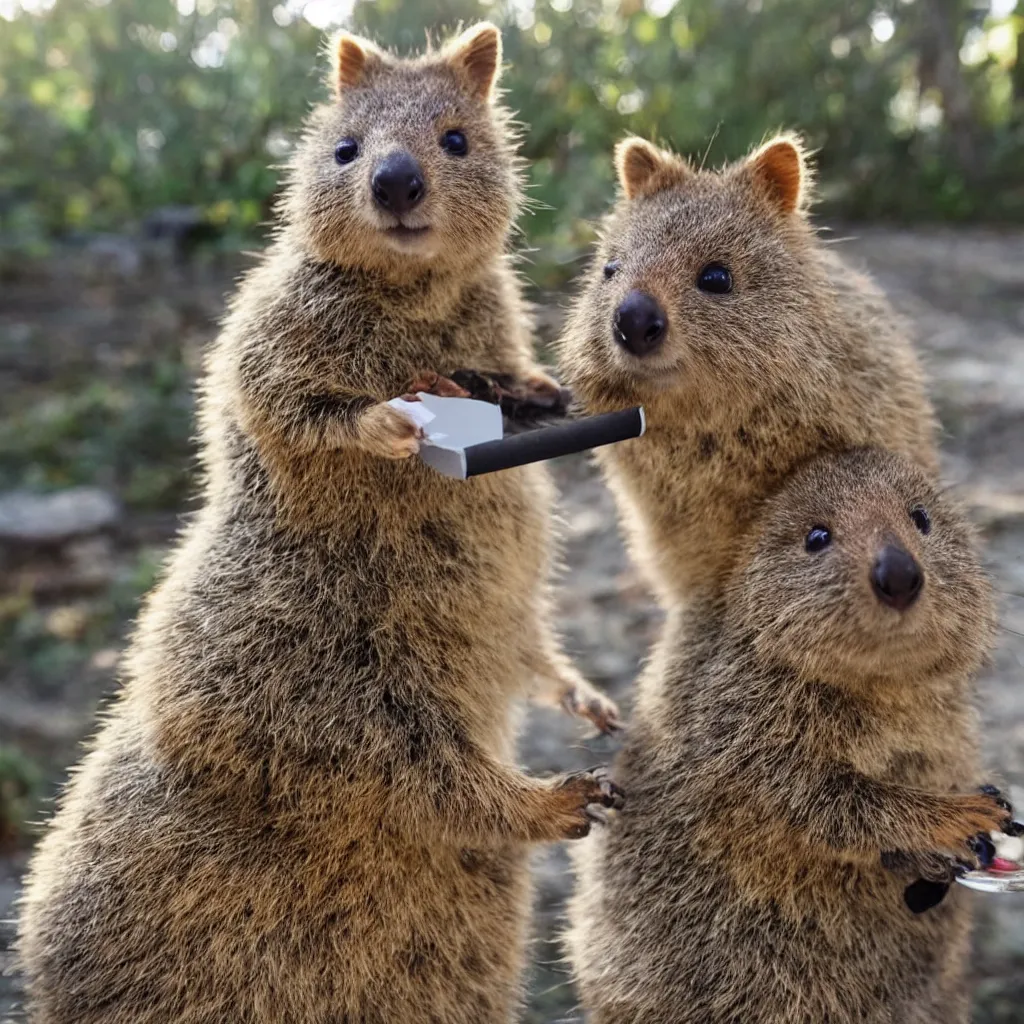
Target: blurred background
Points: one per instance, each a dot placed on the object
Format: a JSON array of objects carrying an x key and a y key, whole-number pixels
[
  {"x": 113, "y": 109},
  {"x": 139, "y": 141}
]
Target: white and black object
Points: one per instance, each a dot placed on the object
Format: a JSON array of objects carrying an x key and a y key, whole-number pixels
[
  {"x": 463, "y": 437},
  {"x": 987, "y": 880},
  {"x": 1002, "y": 869}
]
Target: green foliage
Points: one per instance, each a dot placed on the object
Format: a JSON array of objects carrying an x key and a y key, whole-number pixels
[
  {"x": 109, "y": 108},
  {"x": 49, "y": 646},
  {"x": 130, "y": 435},
  {"x": 712, "y": 78}
]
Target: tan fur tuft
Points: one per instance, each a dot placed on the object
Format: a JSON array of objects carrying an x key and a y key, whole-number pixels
[
  {"x": 643, "y": 168},
  {"x": 353, "y": 60},
  {"x": 476, "y": 56},
  {"x": 780, "y": 168}
]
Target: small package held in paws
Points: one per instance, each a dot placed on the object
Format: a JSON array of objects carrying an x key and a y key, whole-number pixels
[{"x": 464, "y": 437}]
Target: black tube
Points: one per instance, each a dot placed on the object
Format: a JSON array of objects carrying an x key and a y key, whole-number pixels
[{"x": 550, "y": 442}]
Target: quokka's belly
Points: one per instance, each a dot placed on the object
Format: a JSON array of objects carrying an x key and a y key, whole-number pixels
[
  {"x": 144, "y": 913},
  {"x": 673, "y": 942}
]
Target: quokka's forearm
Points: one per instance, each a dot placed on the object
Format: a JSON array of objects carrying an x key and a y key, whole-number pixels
[
  {"x": 847, "y": 810},
  {"x": 474, "y": 798}
]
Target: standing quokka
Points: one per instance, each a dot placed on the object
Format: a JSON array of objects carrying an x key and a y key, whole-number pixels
[
  {"x": 750, "y": 344},
  {"x": 796, "y": 738},
  {"x": 302, "y": 808}
]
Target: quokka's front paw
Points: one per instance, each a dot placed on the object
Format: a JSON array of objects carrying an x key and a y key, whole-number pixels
[
  {"x": 434, "y": 384},
  {"x": 937, "y": 870},
  {"x": 1001, "y": 849},
  {"x": 545, "y": 389},
  {"x": 584, "y": 701},
  {"x": 386, "y": 431},
  {"x": 997, "y": 795},
  {"x": 972, "y": 815},
  {"x": 581, "y": 798}
]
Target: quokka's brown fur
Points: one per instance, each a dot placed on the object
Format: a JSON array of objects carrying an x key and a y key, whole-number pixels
[
  {"x": 804, "y": 354},
  {"x": 791, "y": 732},
  {"x": 302, "y": 807}
]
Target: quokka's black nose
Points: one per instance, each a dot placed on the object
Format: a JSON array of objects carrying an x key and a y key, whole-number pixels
[
  {"x": 640, "y": 323},
  {"x": 897, "y": 579},
  {"x": 398, "y": 183}
]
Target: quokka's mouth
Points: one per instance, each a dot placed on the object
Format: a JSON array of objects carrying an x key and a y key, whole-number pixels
[
  {"x": 402, "y": 233},
  {"x": 658, "y": 370}
]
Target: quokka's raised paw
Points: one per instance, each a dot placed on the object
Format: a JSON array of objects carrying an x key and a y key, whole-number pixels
[
  {"x": 997, "y": 795},
  {"x": 970, "y": 815},
  {"x": 585, "y": 797},
  {"x": 584, "y": 701},
  {"x": 434, "y": 384},
  {"x": 542, "y": 387},
  {"x": 388, "y": 432},
  {"x": 529, "y": 401}
]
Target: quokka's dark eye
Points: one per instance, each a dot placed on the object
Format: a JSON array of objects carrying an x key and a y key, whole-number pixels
[
  {"x": 921, "y": 519},
  {"x": 346, "y": 151},
  {"x": 715, "y": 278},
  {"x": 454, "y": 142},
  {"x": 611, "y": 268},
  {"x": 818, "y": 538}
]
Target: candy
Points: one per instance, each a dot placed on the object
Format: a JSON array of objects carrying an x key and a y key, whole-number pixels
[
  {"x": 1008, "y": 847},
  {"x": 1000, "y": 863}
]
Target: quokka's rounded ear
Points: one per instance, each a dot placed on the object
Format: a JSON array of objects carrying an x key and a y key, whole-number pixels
[
  {"x": 643, "y": 168},
  {"x": 352, "y": 60},
  {"x": 780, "y": 167},
  {"x": 476, "y": 56}
]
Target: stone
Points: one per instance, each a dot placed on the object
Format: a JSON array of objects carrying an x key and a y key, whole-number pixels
[{"x": 53, "y": 519}]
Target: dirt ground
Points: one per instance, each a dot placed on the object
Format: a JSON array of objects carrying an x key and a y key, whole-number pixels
[{"x": 964, "y": 293}]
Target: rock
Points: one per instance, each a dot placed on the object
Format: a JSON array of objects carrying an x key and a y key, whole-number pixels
[
  {"x": 49, "y": 520},
  {"x": 44, "y": 723}
]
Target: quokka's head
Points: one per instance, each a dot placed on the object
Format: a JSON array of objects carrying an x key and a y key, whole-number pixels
[
  {"x": 702, "y": 287},
  {"x": 411, "y": 168},
  {"x": 860, "y": 568}
]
